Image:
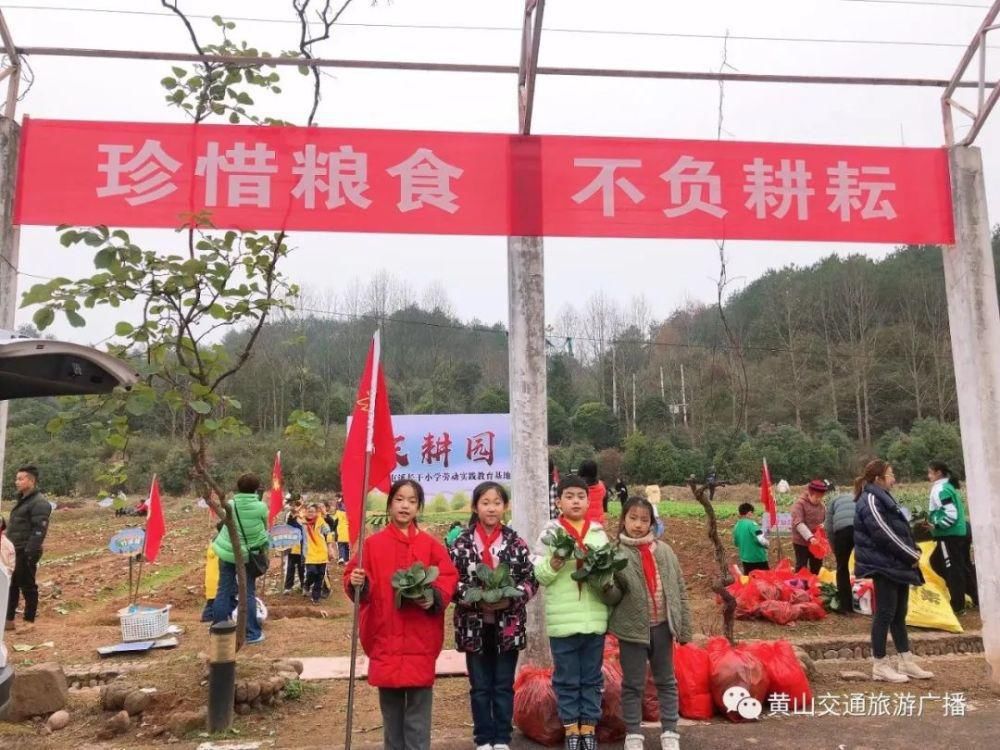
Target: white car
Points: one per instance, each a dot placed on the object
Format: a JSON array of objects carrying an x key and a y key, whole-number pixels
[{"x": 32, "y": 368}]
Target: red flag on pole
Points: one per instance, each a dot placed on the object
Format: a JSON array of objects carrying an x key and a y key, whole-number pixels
[
  {"x": 156, "y": 528},
  {"x": 767, "y": 496},
  {"x": 370, "y": 436},
  {"x": 277, "y": 501}
]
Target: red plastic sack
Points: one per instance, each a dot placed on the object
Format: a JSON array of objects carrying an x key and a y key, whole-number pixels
[
  {"x": 730, "y": 667},
  {"x": 819, "y": 545},
  {"x": 781, "y": 572},
  {"x": 747, "y": 598},
  {"x": 779, "y": 612},
  {"x": 535, "y": 706},
  {"x": 768, "y": 590},
  {"x": 784, "y": 672},
  {"x": 809, "y": 611},
  {"x": 798, "y": 596},
  {"x": 611, "y": 727},
  {"x": 691, "y": 666}
]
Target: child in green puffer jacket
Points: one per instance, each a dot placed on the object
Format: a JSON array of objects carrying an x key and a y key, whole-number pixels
[{"x": 575, "y": 619}]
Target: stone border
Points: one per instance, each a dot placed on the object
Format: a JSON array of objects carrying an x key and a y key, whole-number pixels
[{"x": 922, "y": 644}]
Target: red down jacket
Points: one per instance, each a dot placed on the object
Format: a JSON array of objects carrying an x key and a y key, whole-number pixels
[{"x": 402, "y": 644}]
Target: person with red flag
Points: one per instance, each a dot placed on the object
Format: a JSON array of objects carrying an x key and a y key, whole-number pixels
[
  {"x": 402, "y": 641},
  {"x": 370, "y": 450},
  {"x": 156, "y": 527},
  {"x": 277, "y": 496}
]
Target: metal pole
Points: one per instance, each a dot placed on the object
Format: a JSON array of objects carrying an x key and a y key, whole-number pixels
[
  {"x": 357, "y": 601},
  {"x": 684, "y": 401},
  {"x": 974, "y": 319},
  {"x": 369, "y": 450},
  {"x": 10, "y": 134},
  {"x": 221, "y": 675},
  {"x": 526, "y": 349},
  {"x": 548, "y": 70},
  {"x": 635, "y": 423}
]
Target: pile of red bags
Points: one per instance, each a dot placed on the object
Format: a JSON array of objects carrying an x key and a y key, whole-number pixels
[
  {"x": 780, "y": 595},
  {"x": 762, "y": 668}
]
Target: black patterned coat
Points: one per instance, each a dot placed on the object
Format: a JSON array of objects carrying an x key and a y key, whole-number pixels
[{"x": 510, "y": 622}]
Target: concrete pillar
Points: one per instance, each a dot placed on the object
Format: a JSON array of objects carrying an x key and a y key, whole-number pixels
[
  {"x": 10, "y": 134},
  {"x": 528, "y": 410},
  {"x": 974, "y": 317}
]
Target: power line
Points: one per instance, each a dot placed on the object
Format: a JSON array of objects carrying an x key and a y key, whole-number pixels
[
  {"x": 936, "y": 3},
  {"x": 554, "y": 30}
]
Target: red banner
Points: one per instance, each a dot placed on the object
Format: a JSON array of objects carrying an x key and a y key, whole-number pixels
[{"x": 339, "y": 180}]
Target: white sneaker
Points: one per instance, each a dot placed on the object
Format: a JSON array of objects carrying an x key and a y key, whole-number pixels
[
  {"x": 634, "y": 741},
  {"x": 907, "y": 665},
  {"x": 501, "y": 747},
  {"x": 670, "y": 741},
  {"x": 485, "y": 747},
  {"x": 882, "y": 669}
]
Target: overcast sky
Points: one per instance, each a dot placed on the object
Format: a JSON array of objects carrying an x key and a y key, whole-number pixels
[{"x": 473, "y": 269}]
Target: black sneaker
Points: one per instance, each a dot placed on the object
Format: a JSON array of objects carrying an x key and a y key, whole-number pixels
[{"x": 573, "y": 742}]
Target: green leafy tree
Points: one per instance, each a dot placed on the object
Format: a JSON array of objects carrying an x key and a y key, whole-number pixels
[
  {"x": 183, "y": 302},
  {"x": 594, "y": 422}
]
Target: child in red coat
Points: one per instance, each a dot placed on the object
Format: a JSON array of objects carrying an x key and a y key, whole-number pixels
[{"x": 402, "y": 644}]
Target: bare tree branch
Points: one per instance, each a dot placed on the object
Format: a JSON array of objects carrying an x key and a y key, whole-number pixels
[
  {"x": 327, "y": 18},
  {"x": 173, "y": 6}
]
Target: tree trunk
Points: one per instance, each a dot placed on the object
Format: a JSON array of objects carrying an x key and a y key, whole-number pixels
[
  {"x": 216, "y": 500},
  {"x": 725, "y": 578}
]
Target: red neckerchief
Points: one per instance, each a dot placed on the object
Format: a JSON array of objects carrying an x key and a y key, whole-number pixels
[
  {"x": 649, "y": 572},
  {"x": 488, "y": 542},
  {"x": 311, "y": 530},
  {"x": 408, "y": 536}
]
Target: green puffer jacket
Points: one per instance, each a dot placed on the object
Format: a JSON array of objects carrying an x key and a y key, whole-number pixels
[
  {"x": 570, "y": 609},
  {"x": 252, "y": 513},
  {"x": 630, "y": 615}
]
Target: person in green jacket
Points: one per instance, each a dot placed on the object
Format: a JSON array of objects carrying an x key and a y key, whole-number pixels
[
  {"x": 650, "y": 612},
  {"x": 576, "y": 619},
  {"x": 251, "y": 526},
  {"x": 750, "y": 541},
  {"x": 952, "y": 557}
]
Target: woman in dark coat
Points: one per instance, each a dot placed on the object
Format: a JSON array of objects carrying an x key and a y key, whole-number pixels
[{"x": 885, "y": 552}]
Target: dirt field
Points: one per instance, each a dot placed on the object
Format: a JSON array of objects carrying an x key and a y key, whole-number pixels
[{"x": 82, "y": 586}]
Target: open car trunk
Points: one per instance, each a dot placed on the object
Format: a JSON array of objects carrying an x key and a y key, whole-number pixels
[{"x": 31, "y": 368}]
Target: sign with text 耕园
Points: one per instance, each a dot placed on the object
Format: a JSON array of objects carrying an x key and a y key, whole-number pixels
[
  {"x": 451, "y": 453},
  {"x": 350, "y": 180}
]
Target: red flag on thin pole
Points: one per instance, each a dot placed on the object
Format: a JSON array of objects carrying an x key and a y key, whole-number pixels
[
  {"x": 369, "y": 458},
  {"x": 155, "y": 526},
  {"x": 370, "y": 450},
  {"x": 767, "y": 495},
  {"x": 277, "y": 501}
]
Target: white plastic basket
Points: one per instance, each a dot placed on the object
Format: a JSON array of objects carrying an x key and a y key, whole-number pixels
[{"x": 144, "y": 623}]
